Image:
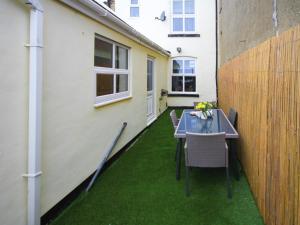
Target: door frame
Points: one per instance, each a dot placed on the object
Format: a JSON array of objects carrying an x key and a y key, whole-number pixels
[{"x": 154, "y": 116}]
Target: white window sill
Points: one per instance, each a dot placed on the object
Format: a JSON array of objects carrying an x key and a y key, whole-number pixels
[
  {"x": 178, "y": 34},
  {"x": 97, "y": 105},
  {"x": 183, "y": 94}
]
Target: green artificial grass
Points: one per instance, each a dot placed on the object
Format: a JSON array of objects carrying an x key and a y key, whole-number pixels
[{"x": 140, "y": 189}]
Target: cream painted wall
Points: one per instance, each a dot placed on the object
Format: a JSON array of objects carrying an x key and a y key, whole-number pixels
[
  {"x": 14, "y": 27},
  {"x": 75, "y": 134},
  {"x": 203, "y": 47}
]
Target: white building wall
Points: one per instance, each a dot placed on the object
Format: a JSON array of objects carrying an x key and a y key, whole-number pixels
[
  {"x": 203, "y": 47},
  {"x": 14, "y": 27},
  {"x": 75, "y": 134}
]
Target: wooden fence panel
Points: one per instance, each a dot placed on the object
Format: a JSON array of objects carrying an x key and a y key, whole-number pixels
[{"x": 263, "y": 85}]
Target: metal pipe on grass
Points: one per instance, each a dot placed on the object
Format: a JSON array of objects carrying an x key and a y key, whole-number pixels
[{"x": 106, "y": 156}]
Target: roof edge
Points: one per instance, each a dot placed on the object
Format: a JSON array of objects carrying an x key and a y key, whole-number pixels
[{"x": 97, "y": 11}]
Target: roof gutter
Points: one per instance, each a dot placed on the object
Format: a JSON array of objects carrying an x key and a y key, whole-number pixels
[{"x": 98, "y": 12}]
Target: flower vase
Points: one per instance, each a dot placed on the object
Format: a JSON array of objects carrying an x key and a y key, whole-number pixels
[
  {"x": 203, "y": 116},
  {"x": 210, "y": 113}
]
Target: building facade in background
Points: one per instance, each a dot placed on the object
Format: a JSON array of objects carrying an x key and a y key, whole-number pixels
[{"x": 187, "y": 28}]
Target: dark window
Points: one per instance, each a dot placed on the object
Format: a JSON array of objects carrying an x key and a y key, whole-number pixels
[
  {"x": 189, "y": 84},
  {"x": 149, "y": 75},
  {"x": 177, "y": 84},
  {"x": 103, "y": 54},
  {"x": 105, "y": 84},
  {"x": 177, "y": 66},
  {"x": 184, "y": 77},
  {"x": 111, "y": 69}
]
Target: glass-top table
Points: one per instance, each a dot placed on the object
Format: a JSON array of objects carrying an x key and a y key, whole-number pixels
[{"x": 218, "y": 123}]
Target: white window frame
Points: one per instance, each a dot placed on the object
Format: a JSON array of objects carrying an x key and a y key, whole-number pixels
[
  {"x": 183, "y": 74},
  {"x": 183, "y": 16},
  {"x": 110, "y": 98},
  {"x": 136, "y": 6}
]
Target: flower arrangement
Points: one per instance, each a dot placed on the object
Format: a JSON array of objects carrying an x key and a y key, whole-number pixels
[{"x": 205, "y": 108}]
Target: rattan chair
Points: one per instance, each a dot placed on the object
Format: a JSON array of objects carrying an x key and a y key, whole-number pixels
[
  {"x": 232, "y": 117},
  {"x": 208, "y": 151},
  {"x": 174, "y": 119},
  {"x": 175, "y": 122}
]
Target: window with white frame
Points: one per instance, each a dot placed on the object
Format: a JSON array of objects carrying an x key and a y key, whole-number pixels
[
  {"x": 134, "y": 8},
  {"x": 111, "y": 70},
  {"x": 183, "y": 75},
  {"x": 183, "y": 16}
]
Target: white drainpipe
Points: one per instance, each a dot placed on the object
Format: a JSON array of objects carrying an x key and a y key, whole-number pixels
[{"x": 35, "y": 102}]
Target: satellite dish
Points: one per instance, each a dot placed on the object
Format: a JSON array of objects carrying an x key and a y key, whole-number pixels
[{"x": 162, "y": 16}]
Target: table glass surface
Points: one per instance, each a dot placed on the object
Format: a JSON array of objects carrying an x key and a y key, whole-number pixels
[{"x": 218, "y": 123}]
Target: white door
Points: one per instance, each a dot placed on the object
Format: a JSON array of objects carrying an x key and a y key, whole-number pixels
[{"x": 150, "y": 90}]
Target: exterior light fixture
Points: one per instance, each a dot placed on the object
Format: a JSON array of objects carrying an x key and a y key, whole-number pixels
[{"x": 178, "y": 49}]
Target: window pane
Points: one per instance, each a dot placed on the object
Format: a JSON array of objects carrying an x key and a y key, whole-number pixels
[
  {"x": 189, "y": 24},
  {"x": 121, "y": 82},
  {"x": 149, "y": 75},
  {"x": 121, "y": 58},
  {"x": 103, "y": 53},
  {"x": 177, "y": 83},
  {"x": 149, "y": 82},
  {"x": 134, "y": 11},
  {"x": 189, "y": 84},
  {"x": 177, "y": 24},
  {"x": 177, "y": 66},
  {"x": 189, "y": 66},
  {"x": 134, "y": 1},
  {"x": 105, "y": 84},
  {"x": 149, "y": 66},
  {"x": 177, "y": 7},
  {"x": 189, "y": 6}
]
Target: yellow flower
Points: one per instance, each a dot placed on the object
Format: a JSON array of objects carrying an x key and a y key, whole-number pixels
[{"x": 200, "y": 105}]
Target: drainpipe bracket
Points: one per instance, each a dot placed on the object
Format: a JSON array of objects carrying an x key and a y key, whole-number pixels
[
  {"x": 32, "y": 175},
  {"x": 31, "y": 46}
]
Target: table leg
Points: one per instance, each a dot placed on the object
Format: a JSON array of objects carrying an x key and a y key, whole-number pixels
[
  {"x": 234, "y": 159},
  {"x": 229, "y": 193},
  {"x": 178, "y": 162}
]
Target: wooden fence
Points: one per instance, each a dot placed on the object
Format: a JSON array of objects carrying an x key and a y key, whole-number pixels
[{"x": 263, "y": 85}]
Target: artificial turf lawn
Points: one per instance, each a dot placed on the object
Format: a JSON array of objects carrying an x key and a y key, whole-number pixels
[{"x": 140, "y": 189}]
